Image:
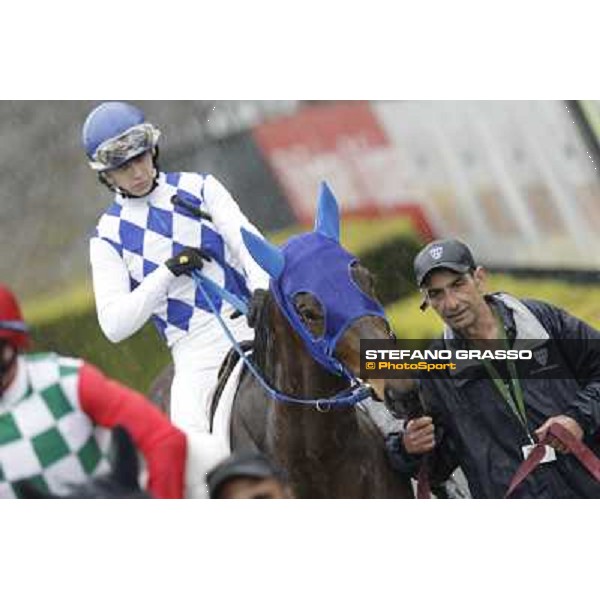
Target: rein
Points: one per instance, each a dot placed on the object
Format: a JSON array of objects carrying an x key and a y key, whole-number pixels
[
  {"x": 357, "y": 392},
  {"x": 583, "y": 454}
]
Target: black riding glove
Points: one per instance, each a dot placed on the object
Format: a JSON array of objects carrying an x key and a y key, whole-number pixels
[{"x": 187, "y": 261}]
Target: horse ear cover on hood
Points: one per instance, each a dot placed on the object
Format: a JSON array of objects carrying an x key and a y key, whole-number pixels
[
  {"x": 327, "y": 223},
  {"x": 267, "y": 255}
]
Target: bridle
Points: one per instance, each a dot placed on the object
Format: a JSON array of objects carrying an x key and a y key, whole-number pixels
[{"x": 357, "y": 391}]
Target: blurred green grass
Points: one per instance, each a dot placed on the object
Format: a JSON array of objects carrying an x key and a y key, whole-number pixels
[{"x": 74, "y": 300}]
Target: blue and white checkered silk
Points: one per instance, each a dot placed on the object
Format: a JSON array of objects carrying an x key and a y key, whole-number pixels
[{"x": 147, "y": 232}]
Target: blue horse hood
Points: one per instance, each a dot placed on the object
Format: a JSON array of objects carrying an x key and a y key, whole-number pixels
[
  {"x": 320, "y": 266},
  {"x": 316, "y": 263}
]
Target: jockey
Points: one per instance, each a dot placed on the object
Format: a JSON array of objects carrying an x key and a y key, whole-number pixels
[
  {"x": 54, "y": 415},
  {"x": 159, "y": 228}
]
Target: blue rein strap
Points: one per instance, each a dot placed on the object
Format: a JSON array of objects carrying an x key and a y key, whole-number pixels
[
  {"x": 358, "y": 391},
  {"x": 205, "y": 283}
]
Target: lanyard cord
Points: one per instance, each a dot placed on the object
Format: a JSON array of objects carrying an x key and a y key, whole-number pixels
[{"x": 515, "y": 400}]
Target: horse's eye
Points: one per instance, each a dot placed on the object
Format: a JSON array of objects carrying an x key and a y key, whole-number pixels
[
  {"x": 311, "y": 312},
  {"x": 311, "y": 315}
]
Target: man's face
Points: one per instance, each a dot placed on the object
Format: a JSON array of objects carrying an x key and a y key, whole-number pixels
[
  {"x": 456, "y": 297},
  {"x": 135, "y": 177},
  {"x": 245, "y": 488}
]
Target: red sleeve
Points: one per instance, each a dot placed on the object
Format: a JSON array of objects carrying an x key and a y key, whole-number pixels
[{"x": 109, "y": 403}]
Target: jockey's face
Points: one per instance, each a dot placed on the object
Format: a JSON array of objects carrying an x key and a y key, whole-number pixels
[
  {"x": 456, "y": 297},
  {"x": 248, "y": 488},
  {"x": 136, "y": 176}
]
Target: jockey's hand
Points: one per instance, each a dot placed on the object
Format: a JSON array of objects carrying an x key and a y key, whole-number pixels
[
  {"x": 187, "y": 260},
  {"x": 419, "y": 436},
  {"x": 568, "y": 423}
]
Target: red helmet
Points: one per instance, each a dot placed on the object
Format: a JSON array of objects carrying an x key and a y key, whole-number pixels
[{"x": 12, "y": 326}]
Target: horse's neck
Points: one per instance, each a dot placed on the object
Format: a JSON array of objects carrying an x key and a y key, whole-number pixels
[{"x": 337, "y": 454}]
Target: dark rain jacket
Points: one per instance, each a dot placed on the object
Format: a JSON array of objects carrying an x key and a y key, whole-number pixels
[{"x": 477, "y": 430}]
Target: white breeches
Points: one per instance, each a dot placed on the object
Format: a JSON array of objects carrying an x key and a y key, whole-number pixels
[{"x": 197, "y": 360}]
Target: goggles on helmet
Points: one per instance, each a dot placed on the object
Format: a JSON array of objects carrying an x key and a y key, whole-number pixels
[
  {"x": 115, "y": 152},
  {"x": 18, "y": 326},
  {"x": 14, "y": 333}
]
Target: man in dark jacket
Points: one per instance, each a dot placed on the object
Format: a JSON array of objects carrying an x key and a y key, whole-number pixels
[{"x": 485, "y": 416}]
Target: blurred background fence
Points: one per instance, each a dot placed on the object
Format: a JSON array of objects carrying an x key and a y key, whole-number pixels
[{"x": 516, "y": 180}]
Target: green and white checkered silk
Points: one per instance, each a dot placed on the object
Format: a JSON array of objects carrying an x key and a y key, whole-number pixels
[{"x": 45, "y": 437}]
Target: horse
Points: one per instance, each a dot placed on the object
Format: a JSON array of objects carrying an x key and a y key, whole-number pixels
[
  {"x": 296, "y": 403},
  {"x": 121, "y": 483}
]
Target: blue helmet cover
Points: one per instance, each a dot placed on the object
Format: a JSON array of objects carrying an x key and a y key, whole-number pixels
[{"x": 107, "y": 121}]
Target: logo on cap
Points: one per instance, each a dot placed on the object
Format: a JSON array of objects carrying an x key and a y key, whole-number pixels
[
  {"x": 541, "y": 356},
  {"x": 436, "y": 252}
]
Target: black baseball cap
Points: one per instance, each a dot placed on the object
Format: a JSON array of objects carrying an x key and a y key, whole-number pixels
[
  {"x": 443, "y": 254},
  {"x": 254, "y": 465}
]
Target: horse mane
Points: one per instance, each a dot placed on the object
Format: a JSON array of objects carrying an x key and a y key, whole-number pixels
[{"x": 263, "y": 336}]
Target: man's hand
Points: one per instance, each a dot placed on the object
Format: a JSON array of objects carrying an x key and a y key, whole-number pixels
[
  {"x": 568, "y": 423},
  {"x": 187, "y": 260},
  {"x": 419, "y": 436}
]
